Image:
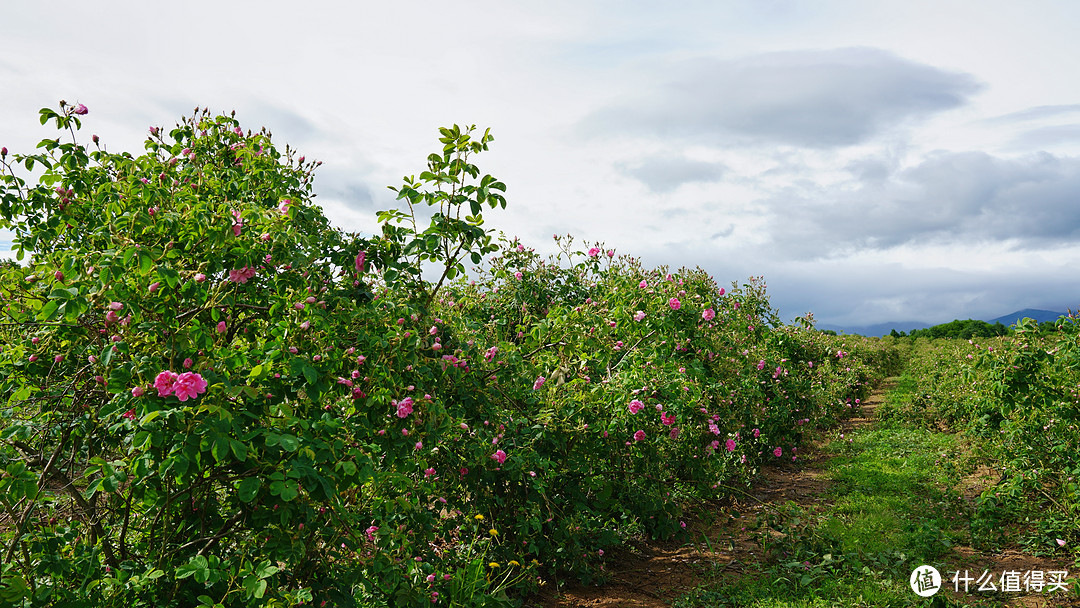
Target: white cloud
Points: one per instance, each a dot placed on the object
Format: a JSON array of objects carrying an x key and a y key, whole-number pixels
[{"x": 873, "y": 160}]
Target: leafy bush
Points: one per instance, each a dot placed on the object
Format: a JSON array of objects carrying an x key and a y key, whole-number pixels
[{"x": 213, "y": 397}]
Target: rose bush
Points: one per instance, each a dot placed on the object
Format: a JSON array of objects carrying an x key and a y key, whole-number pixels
[{"x": 213, "y": 397}]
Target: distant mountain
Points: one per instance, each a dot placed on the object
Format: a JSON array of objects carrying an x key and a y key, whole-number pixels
[
  {"x": 883, "y": 329},
  {"x": 878, "y": 329},
  {"x": 1034, "y": 313}
]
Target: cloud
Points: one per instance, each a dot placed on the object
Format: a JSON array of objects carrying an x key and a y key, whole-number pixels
[
  {"x": 1046, "y": 137},
  {"x": 813, "y": 99},
  {"x": 1034, "y": 113},
  {"x": 1027, "y": 203},
  {"x": 666, "y": 173}
]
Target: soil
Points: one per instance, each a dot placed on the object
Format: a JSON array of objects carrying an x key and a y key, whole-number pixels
[{"x": 653, "y": 574}]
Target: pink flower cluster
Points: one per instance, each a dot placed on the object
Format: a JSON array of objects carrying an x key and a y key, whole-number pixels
[
  {"x": 404, "y": 407},
  {"x": 238, "y": 224},
  {"x": 187, "y": 385},
  {"x": 708, "y": 314},
  {"x": 674, "y": 304},
  {"x": 242, "y": 275},
  {"x": 636, "y": 406}
]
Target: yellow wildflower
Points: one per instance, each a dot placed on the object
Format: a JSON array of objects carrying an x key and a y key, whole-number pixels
[
  {"x": 514, "y": 562},
  {"x": 493, "y": 532},
  {"x": 493, "y": 565},
  {"x": 479, "y": 518}
]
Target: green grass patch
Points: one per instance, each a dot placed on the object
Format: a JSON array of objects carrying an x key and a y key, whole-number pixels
[{"x": 893, "y": 506}]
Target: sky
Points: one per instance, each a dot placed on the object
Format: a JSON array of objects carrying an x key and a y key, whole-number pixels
[{"x": 873, "y": 161}]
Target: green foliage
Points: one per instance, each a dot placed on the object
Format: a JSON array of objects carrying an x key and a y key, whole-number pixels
[
  {"x": 356, "y": 421},
  {"x": 1018, "y": 397},
  {"x": 971, "y": 328}
]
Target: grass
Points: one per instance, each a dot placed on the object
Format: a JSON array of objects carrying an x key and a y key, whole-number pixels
[{"x": 892, "y": 506}]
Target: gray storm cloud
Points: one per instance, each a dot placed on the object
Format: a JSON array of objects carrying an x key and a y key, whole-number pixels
[
  {"x": 813, "y": 99},
  {"x": 1032, "y": 202}
]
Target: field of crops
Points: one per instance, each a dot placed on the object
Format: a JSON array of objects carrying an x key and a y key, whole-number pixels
[{"x": 212, "y": 397}]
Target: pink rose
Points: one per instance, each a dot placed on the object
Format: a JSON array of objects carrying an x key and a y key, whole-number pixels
[
  {"x": 80, "y": 109},
  {"x": 595, "y": 251},
  {"x": 636, "y": 406},
  {"x": 164, "y": 383},
  {"x": 708, "y": 314},
  {"x": 499, "y": 456},
  {"x": 674, "y": 304},
  {"x": 154, "y": 286},
  {"x": 137, "y": 391},
  {"x": 359, "y": 263},
  {"x": 200, "y": 277},
  {"x": 778, "y": 452},
  {"x": 639, "y": 436},
  {"x": 241, "y": 275},
  {"x": 404, "y": 407},
  {"x": 221, "y": 327},
  {"x": 188, "y": 385}
]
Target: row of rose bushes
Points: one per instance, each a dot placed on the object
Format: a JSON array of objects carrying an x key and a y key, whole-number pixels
[
  {"x": 1018, "y": 396},
  {"x": 212, "y": 397}
]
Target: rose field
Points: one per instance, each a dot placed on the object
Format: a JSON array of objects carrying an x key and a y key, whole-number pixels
[{"x": 213, "y": 397}]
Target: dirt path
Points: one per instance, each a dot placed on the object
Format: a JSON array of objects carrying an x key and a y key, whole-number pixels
[
  {"x": 723, "y": 546},
  {"x": 653, "y": 574}
]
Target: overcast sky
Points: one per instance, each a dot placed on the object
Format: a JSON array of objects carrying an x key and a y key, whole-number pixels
[{"x": 874, "y": 161}]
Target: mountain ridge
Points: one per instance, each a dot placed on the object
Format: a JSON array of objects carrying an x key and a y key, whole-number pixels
[{"x": 882, "y": 329}]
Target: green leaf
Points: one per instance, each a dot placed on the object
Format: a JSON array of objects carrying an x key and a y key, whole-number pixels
[
  {"x": 266, "y": 569},
  {"x": 289, "y": 443},
  {"x": 238, "y": 449},
  {"x": 220, "y": 448},
  {"x": 249, "y": 489},
  {"x": 145, "y": 263},
  {"x": 49, "y": 311},
  {"x": 310, "y": 374}
]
